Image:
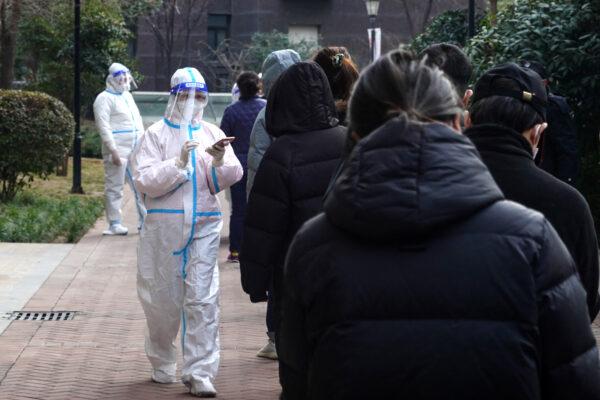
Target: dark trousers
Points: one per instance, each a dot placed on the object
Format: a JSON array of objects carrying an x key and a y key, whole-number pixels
[
  {"x": 275, "y": 302},
  {"x": 270, "y": 315},
  {"x": 238, "y": 213}
]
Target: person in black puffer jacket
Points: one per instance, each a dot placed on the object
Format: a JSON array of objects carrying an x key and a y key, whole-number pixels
[
  {"x": 419, "y": 281},
  {"x": 292, "y": 177}
]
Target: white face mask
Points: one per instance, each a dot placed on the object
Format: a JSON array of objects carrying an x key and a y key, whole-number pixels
[
  {"x": 198, "y": 111},
  {"x": 535, "y": 151},
  {"x": 180, "y": 108}
]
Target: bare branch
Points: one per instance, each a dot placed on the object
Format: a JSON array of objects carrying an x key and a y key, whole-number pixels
[
  {"x": 409, "y": 19},
  {"x": 427, "y": 14}
]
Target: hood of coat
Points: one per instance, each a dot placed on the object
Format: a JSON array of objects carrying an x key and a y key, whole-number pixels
[
  {"x": 275, "y": 63},
  {"x": 408, "y": 180},
  {"x": 300, "y": 101}
]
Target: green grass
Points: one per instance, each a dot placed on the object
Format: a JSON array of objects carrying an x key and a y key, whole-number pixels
[
  {"x": 47, "y": 213},
  {"x": 43, "y": 219}
]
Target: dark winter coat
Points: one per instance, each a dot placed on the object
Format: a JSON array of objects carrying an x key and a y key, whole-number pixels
[
  {"x": 420, "y": 282},
  {"x": 558, "y": 153},
  {"x": 238, "y": 121},
  {"x": 508, "y": 156},
  {"x": 293, "y": 175}
]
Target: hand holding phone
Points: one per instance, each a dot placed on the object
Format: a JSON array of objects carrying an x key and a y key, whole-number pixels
[{"x": 225, "y": 141}]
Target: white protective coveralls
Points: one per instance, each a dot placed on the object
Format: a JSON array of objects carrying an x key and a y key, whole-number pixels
[
  {"x": 178, "y": 275},
  {"x": 120, "y": 124}
]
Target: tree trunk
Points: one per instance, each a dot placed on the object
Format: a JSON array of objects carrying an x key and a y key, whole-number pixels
[
  {"x": 493, "y": 11},
  {"x": 8, "y": 38},
  {"x": 63, "y": 167}
]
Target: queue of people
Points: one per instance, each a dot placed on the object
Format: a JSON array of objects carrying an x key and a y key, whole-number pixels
[{"x": 394, "y": 221}]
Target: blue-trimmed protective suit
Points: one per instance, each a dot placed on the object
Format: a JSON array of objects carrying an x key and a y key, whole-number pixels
[
  {"x": 120, "y": 125},
  {"x": 178, "y": 275}
]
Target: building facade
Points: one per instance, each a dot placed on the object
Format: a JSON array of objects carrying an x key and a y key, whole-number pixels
[{"x": 330, "y": 22}]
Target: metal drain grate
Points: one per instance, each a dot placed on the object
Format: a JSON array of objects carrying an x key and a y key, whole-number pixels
[{"x": 41, "y": 315}]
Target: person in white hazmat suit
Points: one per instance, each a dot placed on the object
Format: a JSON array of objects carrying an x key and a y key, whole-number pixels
[
  {"x": 179, "y": 168},
  {"x": 120, "y": 124},
  {"x": 235, "y": 93}
]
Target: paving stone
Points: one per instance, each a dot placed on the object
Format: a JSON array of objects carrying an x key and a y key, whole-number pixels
[{"x": 100, "y": 353}]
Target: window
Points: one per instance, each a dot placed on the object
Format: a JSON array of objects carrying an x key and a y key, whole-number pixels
[
  {"x": 218, "y": 29},
  {"x": 307, "y": 33}
]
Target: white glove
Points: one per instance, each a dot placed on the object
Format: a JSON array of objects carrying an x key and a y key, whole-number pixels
[
  {"x": 114, "y": 155},
  {"x": 217, "y": 152},
  {"x": 184, "y": 157}
]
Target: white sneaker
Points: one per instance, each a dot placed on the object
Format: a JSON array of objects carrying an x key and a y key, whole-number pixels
[
  {"x": 116, "y": 229},
  {"x": 202, "y": 388},
  {"x": 268, "y": 351},
  {"x": 161, "y": 377}
]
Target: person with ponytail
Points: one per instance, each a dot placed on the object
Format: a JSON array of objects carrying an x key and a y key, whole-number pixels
[{"x": 341, "y": 73}]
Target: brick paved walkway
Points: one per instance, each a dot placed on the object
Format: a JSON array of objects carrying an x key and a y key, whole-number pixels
[{"x": 99, "y": 354}]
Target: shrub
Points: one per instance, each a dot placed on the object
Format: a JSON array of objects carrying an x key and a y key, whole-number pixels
[
  {"x": 448, "y": 27},
  {"x": 91, "y": 142},
  {"x": 564, "y": 36},
  {"x": 36, "y": 131}
]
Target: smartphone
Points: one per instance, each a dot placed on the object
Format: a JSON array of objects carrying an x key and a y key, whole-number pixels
[{"x": 225, "y": 141}]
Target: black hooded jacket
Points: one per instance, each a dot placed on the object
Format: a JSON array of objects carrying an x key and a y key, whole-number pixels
[
  {"x": 508, "y": 156},
  {"x": 421, "y": 282},
  {"x": 293, "y": 175},
  {"x": 558, "y": 153}
]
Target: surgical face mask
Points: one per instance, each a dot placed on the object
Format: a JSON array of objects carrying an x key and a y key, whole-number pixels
[
  {"x": 126, "y": 84},
  {"x": 180, "y": 110},
  {"x": 198, "y": 110}
]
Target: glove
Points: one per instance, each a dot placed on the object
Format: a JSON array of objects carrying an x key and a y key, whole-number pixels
[
  {"x": 116, "y": 160},
  {"x": 184, "y": 157},
  {"x": 217, "y": 152}
]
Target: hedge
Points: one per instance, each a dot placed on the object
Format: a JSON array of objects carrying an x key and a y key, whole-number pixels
[{"x": 36, "y": 131}]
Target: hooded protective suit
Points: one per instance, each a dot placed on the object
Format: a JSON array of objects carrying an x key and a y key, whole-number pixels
[
  {"x": 120, "y": 124},
  {"x": 178, "y": 276}
]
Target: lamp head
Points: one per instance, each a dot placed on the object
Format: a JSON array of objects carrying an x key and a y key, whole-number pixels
[{"x": 372, "y": 7}]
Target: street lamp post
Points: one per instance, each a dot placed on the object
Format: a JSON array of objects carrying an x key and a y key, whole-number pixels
[
  {"x": 77, "y": 102},
  {"x": 372, "y": 11},
  {"x": 471, "y": 18}
]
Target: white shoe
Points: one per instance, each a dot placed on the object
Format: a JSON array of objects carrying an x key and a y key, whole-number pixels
[
  {"x": 161, "y": 377},
  {"x": 116, "y": 229},
  {"x": 268, "y": 351},
  {"x": 202, "y": 388}
]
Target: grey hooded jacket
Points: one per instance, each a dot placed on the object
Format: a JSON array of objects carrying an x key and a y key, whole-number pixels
[{"x": 275, "y": 63}]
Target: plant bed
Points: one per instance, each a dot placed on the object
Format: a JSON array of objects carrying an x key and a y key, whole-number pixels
[{"x": 46, "y": 212}]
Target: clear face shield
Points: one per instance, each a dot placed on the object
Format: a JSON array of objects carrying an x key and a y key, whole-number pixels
[
  {"x": 121, "y": 81},
  {"x": 186, "y": 103}
]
